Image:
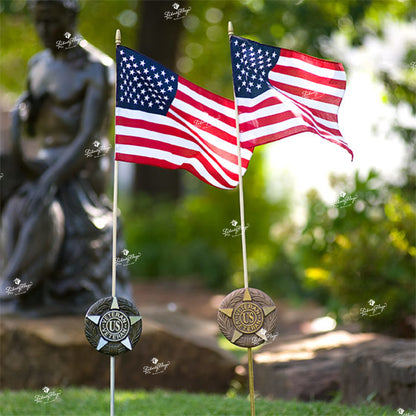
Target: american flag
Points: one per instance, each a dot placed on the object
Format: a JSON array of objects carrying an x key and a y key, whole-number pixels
[
  {"x": 280, "y": 93},
  {"x": 166, "y": 121}
]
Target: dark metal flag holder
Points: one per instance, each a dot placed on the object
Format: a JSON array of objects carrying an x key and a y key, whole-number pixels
[{"x": 113, "y": 325}]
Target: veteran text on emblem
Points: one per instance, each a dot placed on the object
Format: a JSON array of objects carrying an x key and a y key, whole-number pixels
[
  {"x": 113, "y": 325},
  {"x": 247, "y": 317}
]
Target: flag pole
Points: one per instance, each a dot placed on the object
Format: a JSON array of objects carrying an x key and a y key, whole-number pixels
[
  {"x": 243, "y": 238},
  {"x": 115, "y": 195},
  {"x": 114, "y": 268},
  {"x": 240, "y": 181}
]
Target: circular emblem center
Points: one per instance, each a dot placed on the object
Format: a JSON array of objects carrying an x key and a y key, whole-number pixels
[
  {"x": 248, "y": 317},
  {"x": 114, "y": 325}
]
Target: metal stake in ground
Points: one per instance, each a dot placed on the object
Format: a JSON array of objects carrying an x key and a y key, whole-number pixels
[
  {"x": 247, "y": 317},
  {"x": 113, "y": 325}
]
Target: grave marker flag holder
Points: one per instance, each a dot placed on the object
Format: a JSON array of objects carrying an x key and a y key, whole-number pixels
[
  {"x": 113, "y": 325},
  {"x": 247, "y": 317},
  {"x": 277, "y": 93}
]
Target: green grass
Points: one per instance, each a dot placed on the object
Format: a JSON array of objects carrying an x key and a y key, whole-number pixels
[{"x": 90, "y": 402}]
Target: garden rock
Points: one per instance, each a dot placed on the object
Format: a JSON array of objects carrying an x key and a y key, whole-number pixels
[
  {"x": 54, "y": 352},
  {"x": 385, "y": 371},
  {"x": 306, "y": 367}
]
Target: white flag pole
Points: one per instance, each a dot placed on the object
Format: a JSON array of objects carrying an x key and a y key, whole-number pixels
[
  {"x": 240, "y": 182},
  {"x": 243, "y": 238},
  {"x": 114, "y": 265},
  {"x": 115, "y": 196}
]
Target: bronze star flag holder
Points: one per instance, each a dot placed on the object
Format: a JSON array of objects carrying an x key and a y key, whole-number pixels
[
  {"x": 113, "y": 325},
  {"x": 247, "y": 317}
]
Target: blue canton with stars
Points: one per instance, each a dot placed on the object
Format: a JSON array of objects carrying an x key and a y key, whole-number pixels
[
  {"x": 252, "y": 62},
  {"x": 143, "y": 84}
]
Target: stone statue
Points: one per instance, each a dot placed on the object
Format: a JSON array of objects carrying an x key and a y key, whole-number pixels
[{"x": 56, "y": 225}]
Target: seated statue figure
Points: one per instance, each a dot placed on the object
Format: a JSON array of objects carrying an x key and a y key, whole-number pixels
[{"x": 56, "y": 223}]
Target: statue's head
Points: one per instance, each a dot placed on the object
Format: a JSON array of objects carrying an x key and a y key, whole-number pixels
[{"x": 54, "y": 19}]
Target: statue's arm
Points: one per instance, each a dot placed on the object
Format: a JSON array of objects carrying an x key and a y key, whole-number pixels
[
  {"x": 23, "y": 117},
  {"x": 16, "y": 127},
  {"x": 19, "y": 116}
]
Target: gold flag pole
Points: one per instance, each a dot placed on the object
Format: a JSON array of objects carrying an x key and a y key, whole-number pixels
[
  {"x": 243, "y": 238},
  {"x": 114, "y": 268}
]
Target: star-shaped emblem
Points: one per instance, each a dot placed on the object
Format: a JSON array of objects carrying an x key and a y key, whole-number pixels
[
  {"x": 248, "y": 317},
  {"x": 114, "y": 325}
]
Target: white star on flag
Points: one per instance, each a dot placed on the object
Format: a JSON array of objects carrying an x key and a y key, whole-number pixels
[{"x": 164, "y": 120}]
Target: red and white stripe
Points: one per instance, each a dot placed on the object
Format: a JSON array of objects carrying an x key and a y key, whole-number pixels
[
  {"x": 197, "y": 134},
  {"x": 305, "y": 97}
]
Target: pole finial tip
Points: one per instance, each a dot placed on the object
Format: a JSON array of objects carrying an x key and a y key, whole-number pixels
[
  {"x": 118, "y": 37},
  {"x": 230, "y": 29}
]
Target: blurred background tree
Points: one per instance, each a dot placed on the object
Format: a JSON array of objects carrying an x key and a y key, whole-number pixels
[
  {"x": 360, "y": 249},
  {"x": 342, "y": 256}
]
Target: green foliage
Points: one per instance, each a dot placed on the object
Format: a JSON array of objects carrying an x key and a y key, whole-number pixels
[
  {"x": 17, "y": 47},
  {"x": 190, "y": 238},
  {"x": 301, "y": 25},
  {"x": 19, "y": 41},
  {"x": 362, "y": 248},
  {"x": 346, "y": 255},
  {"x": 90, "y": 402}
]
